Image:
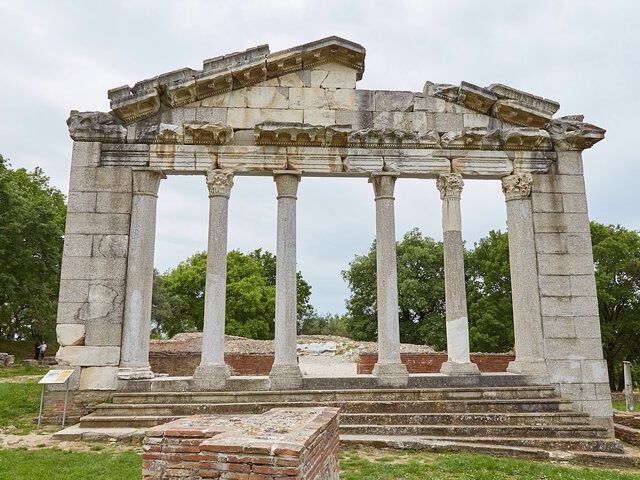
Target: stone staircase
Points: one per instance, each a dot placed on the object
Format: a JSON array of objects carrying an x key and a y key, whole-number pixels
[{"x": 523, "y": 418}]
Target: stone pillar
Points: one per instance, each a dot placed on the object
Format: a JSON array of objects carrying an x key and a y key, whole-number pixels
[
  {"x": 134, "y": 356},
  {"x": 212, "y": 372},
  {"x": 459, "y": 361},
  {"x": 389, "y": 368},
  {"x": 527, "y": 320},
  {"x": 285, "y": 372}
]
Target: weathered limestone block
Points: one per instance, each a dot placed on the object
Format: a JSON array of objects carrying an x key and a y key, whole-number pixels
[
  {"x": 532, "y": 162},
  {"x": 70, "y": 334},
  {"x": 444, "y": 91},
  {"x": 516, "y": 113},
  {"x": 92, "y": 223},
  {"x": 430, "y": 104},
  {"x": 554, "y": 222},
  {"x": 358, "y": 120},
  {"x": 308, "y": 98},
  {"x": 81, "y": 202},
  {"x": 419, "y": 163},
  {"x": 130, "y": 155},
  {"x": 93, "y": 268},
  {"x": 244, "y": 117},
  {"x": 393, "y": 101},
  {"x": 483, "y": 164},
  {"x": 583, "y": 286},
  {"x": 363, "y": 164},
  {"x": 403, "y": 121},
  {"x": 566, "y": 372},
  {"x": 448, "y": 122},
  {"x": 547, "y": 203},
  {"x": 319, "y": 117},
  {"x": 74, "y": 291},
  {"x": 565, "y": 264},
  {"x": 555, "y": 286},
  {"x": 559, "y": 184},
  {"x": 100, "y": 333},
  {"x": 475, "y": 97},
  {"x": 569, "y": 163},
  {"x": 88, "y": 356},
  {"x": 78, "y": 245},
  {"x": 342, "y": 99},
  {"x": 98, "y": 378},
  {"x": 251, "y": 162},
  {"x": 108, "y": 202},
  {"x": 573, "y": 348},
  {"x": 85, "y": 154},
  {"x": 314, "y": 163},
  {"x": 110, "y": 246},
  {"x": 174, "y": 157},
  {"x": 232, "y": 99},
  {"x": 296, "y": 79},
  {"x": 343, "y": 79},
  {"x": 178, "y": 116},
  {"x": 267, "y": 97},
  {"x": 282, "y": 116},
  {"x": 544, "y": 105},
  {"x": 207, "y": 133}
]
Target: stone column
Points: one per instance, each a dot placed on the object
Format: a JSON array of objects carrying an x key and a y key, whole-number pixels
[
  {"x": 389, "y": 368},
  {"x": 458, "y": 362},
  {"x": 136, "y": 330},
  {"x": 212, "y": 373},
  {"x": 285, "y": 372},
  {"x": 525, "y": 294}
]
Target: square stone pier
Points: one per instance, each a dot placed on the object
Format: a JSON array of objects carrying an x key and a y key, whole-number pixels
[{"x": 283, "y": 443}]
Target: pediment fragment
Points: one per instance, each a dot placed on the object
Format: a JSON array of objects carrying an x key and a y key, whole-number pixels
[
  {"x": 571, "y": 133},
  {"x": 96, "y": 126}
]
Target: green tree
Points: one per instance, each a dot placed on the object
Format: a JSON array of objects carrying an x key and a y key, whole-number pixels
[
  {"x": 420, "y": 292},
  {"x": 250, "y": 308},
  {"x": 616, "y": 253},
  {"x": 32, "y": 220},
  {"x": 489, "y": 294}
]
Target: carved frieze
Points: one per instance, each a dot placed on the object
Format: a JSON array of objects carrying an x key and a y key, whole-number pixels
[
  {"x": 444, "y": 91},
  {"x": 303, "y": 134},
  {"x": 526, "y": 138},
  {"x": 517, "y": 186},
  {"x": 571, "y": 133},
  {"x": 162, "y": 133},
  {"x": 207, "y": 133},
  {"x": 474, "y": 138},
  {"x": 514, "y": 112},
  {"x": 386, "y": 138},
  {"x": 96, "y": 127},
  {"x": 475, "y": 97}
]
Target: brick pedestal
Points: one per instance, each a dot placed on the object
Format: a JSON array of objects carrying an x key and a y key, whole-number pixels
[{"x": 284, "y": 443}]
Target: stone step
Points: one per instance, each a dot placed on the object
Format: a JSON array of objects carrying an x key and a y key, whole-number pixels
[
  {"x": 523, "y": 392},
  {"x": 552, "y": 448},
  {"x": 140, "y": 421},
  {"x": 424, "y": 406},
  {"x": 480, "y": 431},
  {"x": 521, "y": 419}
]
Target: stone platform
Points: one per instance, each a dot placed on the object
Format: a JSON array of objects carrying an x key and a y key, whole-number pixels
[{"x": 292, "y": 443}]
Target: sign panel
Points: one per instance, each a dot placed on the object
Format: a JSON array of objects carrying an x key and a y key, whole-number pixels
[{"x": 56, "y": 376}]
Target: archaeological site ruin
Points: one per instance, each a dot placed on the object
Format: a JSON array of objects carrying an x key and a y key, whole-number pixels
[{"x": 295, "y": 114}]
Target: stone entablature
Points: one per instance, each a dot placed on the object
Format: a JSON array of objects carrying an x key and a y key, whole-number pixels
[{"x": 298, "y": 113}]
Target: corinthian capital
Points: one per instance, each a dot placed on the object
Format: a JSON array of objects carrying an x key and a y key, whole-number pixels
[
  {"x": 219, "y": 183},
  {"x": 450, "y": 185},
  {"x": 517, "y": 186}
]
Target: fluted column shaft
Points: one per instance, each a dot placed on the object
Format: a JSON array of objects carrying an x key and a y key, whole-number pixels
[
  {"x": 285, "y": 372},
  {"x": 212, "y": 372},
  {"x": 136, "y": 329},
  {"x": 389, "y": 368},
  {"x": 457, "y": 323},
  {"x": 525, "y": 294}
]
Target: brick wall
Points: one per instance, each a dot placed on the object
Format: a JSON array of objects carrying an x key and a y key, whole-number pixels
[
  {"x": 296, "y": 443},
  {"x": 185, "y": 363},
  {"x": 431, "y": 362},
  {"x": 79, "y": 403}
]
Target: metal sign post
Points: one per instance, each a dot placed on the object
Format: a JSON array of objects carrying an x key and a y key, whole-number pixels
[{"x": 55, "y": 377}]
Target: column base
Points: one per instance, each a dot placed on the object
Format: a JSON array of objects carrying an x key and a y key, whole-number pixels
[
  {"x": 211, "y": 377},
  {"x": 453, "y": 368},
  {"x": 528, "y": 367},
  {"x": 391, "y": 374},
  {"x": 285, "y": 377},
  {"x": 135, "y": 373}
]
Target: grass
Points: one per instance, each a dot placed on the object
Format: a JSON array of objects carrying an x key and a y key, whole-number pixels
[
  {"x": 392, "y": 465},
  {"x": 55, "y": 464},
  {"x": 19, "y": 404},
  {"x": 622, "y": 406},
  {"x": 20, "y": 370}
]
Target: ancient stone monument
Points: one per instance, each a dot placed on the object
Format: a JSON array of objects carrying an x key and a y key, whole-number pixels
[{"x": 297, "y": 113}]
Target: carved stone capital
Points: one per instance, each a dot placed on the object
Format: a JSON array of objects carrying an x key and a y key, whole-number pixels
[
  {"x": 450, "y": 185},
  {"x": 219, "y": 183},
  {"x": 147, "y": 182},
  {"x": 517, "y": 186},
  {"x": 287, "y": 183},
  {"x": 383, "y": 184}
]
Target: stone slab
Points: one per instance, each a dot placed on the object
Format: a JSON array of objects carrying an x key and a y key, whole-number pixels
[{"x": 88, "y": 356}]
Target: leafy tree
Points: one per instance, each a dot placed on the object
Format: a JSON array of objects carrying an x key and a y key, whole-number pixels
[
  {"x": 420, "y": 292},
  {"x": 32, "y": 220},
  {"x": 616, "y": 253},
  {"x": 327, "y": 324},
  {"x": 250, "y": 308},
  {"x": 489, "y": 294}
]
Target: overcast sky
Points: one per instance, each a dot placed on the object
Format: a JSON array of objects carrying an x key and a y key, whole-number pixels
[{"x": 62, "y": 55}]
